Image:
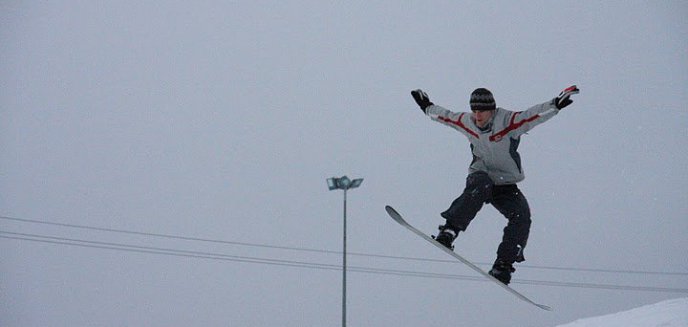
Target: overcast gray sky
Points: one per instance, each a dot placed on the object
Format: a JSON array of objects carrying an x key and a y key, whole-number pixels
[{"x": 221, "y": 120}]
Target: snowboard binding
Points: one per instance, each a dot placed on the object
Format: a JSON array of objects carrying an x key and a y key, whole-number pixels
[
  {"x": 446, "y": 236},
  {"x": 502, "y": 271}
]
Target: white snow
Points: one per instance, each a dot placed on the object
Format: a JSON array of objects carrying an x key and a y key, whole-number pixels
[{"x": 670, "y": 313}]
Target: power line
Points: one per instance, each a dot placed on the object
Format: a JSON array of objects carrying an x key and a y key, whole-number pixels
[
  {"x": 207, "y": 255},
  {"x": 304, "y": 249},
  {"x": 161, "y": 251},
  {"x": 168, "y": 236},
  {"x": 304, "y": 264}
]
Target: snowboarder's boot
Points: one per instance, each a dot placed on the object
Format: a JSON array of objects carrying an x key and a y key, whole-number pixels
[
  {"x": 446, "y": 236},
  {"x": 502, "y": 271}
]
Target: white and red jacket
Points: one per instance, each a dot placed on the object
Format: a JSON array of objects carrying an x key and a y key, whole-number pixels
[{"x": 495, "y": 148}]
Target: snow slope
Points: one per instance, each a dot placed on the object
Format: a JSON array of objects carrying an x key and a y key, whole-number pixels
[{"x": 670, "y": 313}]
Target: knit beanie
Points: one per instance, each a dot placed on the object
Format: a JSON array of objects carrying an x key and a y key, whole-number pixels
[{"x": 482, "y": 99}]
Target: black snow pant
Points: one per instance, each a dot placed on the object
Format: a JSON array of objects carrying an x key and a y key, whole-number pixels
[{"x": 507, "y": 199}]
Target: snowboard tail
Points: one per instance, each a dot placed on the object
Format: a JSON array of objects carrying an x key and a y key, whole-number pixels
[{"x": 397, "y": 217}]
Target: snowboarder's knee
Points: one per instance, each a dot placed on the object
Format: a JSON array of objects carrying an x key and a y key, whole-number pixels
[{"x": 479, "y": 187}]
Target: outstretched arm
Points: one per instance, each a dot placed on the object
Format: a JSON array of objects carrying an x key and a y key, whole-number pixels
[
  {"x": 456, "y": 120},
  {"x": 523, "y": 121}
]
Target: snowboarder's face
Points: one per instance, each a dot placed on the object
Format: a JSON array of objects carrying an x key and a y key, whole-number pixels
[{"x": 482, "y": 117}]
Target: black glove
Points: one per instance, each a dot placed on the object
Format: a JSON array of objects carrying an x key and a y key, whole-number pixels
[
  {"x": 563, "y": 99},
  {"x": 421, "y": 98}
]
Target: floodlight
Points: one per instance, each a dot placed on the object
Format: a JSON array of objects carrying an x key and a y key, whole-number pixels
[
  {"x": 332, "y": 183},
  {"x": 356, "y": 183},
  {"x": 344, "y": 183}
]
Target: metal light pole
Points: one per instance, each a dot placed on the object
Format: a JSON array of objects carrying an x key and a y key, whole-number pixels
[{"x": 343, "y": 183}]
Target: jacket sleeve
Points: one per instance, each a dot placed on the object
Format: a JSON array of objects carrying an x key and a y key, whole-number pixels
[
  {"x": 456, "y": 120},
  {"x": 521, "y": 122}
]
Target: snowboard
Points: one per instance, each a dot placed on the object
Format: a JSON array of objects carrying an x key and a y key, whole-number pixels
[{"x": 397, "y": 217}]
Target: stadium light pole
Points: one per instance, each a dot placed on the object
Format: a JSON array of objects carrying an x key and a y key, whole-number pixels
[{"x": 345, "y": 184}]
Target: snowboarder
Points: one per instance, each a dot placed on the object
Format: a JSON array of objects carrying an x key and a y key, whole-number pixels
[{"x": 494, "y": 134}]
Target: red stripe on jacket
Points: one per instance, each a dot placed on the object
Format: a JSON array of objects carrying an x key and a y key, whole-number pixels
[
  {"x": 459, "y": 124},
  {"x": 512, "y": 126}
]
